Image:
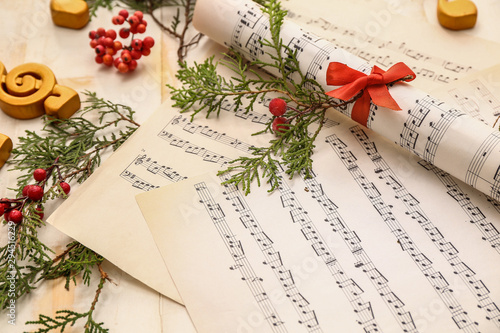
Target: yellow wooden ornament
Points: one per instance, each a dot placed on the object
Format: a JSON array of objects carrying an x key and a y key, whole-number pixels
[
  {"x": 72, "y": 14},
  {"x": 31, "y": 90},
  {"x": 5, "y": 148},
  {"x": 457, "y": 14}
]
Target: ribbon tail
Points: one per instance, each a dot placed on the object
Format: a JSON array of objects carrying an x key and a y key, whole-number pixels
[
  {"x": 380, "y": 96},
  {"x": 361, "y": 109}
]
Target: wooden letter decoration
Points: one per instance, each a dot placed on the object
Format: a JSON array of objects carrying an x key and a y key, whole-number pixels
[
  {"x": 31, "y": 90},
  {"x": 457, "y": 15},
  {"x": 73, "y": 14},
  {"x": 5, "y": 148}
]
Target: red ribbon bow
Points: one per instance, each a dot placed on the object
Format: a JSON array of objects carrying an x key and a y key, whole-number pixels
[{"x": 374, "y": 87}]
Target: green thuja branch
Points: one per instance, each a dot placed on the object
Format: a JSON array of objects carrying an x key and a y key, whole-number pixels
[
  {"x": 66, "y": 150},
  {"x": 66, "y": 318},
  {"x": 205, "y": 89}
]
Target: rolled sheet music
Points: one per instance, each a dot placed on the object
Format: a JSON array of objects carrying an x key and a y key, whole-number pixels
[{"x": 444, "y": 136}]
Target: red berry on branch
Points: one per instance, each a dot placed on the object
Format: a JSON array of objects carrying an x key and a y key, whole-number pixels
[
  {"x": 277, "y": 107},
  {"x": 132, "y": 65},
  {"x": 40, "y": 175},
  {"x": 123, "y": 13},
  {"x": 93, "y": 43},
  {"x": 65, "y": 187},
  {"x": 139, "y": 15},
  {"x": 110, "y": 51},
  {"x": 100, "y": 50},
  {"x": 108, "y": 42},
  {"x": 137, "y": 44},
  {"x": 133, "y": 20},
  {"x": 15, "y": 216},
  {"x": 108, "y": 59},
  {"x": 98, "y": 59},
  {"x": 101, "y": 32},
  {"x": 145, "y": 51},
  {"x": 278, "y": 124},
  {"x": 39, "y": 212},
  {"x": 117, "y": 45},
  {"x": 111, "y": 34},
  {"x": 126, "y": 56},
  {"x": 25, "y": 190},
  {"x": 148, "y": 42},
  {"x": 141, "y": 28},
  {"x": 124, "y": 32},
  {"x": 123, "y": 67},
  {"x": 35, "y": 192},
  {"x": 144, "y": 22},
  {"x": 133, "y": 28},
  {"x": 135, "y": 54},
  {"x": 92, "y": 34}
]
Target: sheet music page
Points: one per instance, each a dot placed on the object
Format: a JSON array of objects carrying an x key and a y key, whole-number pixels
[
  {"x": 144, "y": 163},
  {"x": 378, "y": 240},
  {"x": 478, "y": 94}
]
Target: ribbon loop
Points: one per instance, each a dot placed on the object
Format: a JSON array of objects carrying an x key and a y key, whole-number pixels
[{"x": 373, "y": 87}]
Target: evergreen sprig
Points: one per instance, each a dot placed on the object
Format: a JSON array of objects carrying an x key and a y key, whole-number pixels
[
  {"x": 204, "y": 89},
  {"x": 68, "y": 150}
]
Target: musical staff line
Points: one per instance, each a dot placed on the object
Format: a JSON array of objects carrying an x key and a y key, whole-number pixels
[
  {"x": 237, "y": 253},
  {"x": 363, "y": 261},
  {"x": 477, "y": 163},
  {"x": 476, "y": 216},
  {"x": 414, "y": 210},
  {"x": 422, "y": 261},
  {"x": 273, "y": 259},
  {"x": 348, "y": 286}
]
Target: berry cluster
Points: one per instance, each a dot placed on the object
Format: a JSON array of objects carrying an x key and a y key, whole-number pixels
[
  {"x": 278, "y": 107},
  {"x": 106, "y": 46},
  {"x": 12, "y": 209}
]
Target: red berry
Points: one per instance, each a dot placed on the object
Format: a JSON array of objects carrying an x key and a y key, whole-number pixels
[
  {"x": 110, "y": 50},
  {"x": 132, "y": 65},
  {"x": 108, "y": 59},
  {"x": 278, "y": 124},
  {"x": 139, "y": 15},
  {"x": 144, "y": 22},
  {"x": 118, "y": 20},
  {"x": 2, "y": 209},
  {"x": 277, "y": 107},
  {"x": 126, "y": 56},
  {"x": 111, "y": 34},
  {"x": 25, "y": 190},
  {"x": 133, "y": 20},
  {"x": 124, "y": 32},
  {"x": 39, "y": 174},
  {"x": 101, "y": 32},
  {"x": 98, "y": 59},
  {"x": 137, "y": 44},
  {"x": 141, "y": 28},
  {"x": 135, "y": 54},
  {"x": 117, "y": 45},
  {"x": 123, "y": 67},
  {"x": 92, "y": 34},
  {"x": 35, "y": 192},
  {"x": 145, "y": 51},
  {"x": 108, "y": 42},
  {"x": 148, "y": 42},
  {"x": 100, "y": 50},
  {"x": 15, "y": 216},
  {"x": 133, "y": 29},
  {"x": 39, "y": 212},
  {"x": 117, "y": 61},
  {"x": 65, "y": 187},
  {"x": 123, "y": 13},
  {"x": 93, "y": 43}
]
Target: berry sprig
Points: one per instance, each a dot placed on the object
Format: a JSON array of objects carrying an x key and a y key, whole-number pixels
[
  {"x": 12, "y": 209},
  {"x": 106, "y": 46},
  {"x": 278, "y": 108}
]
